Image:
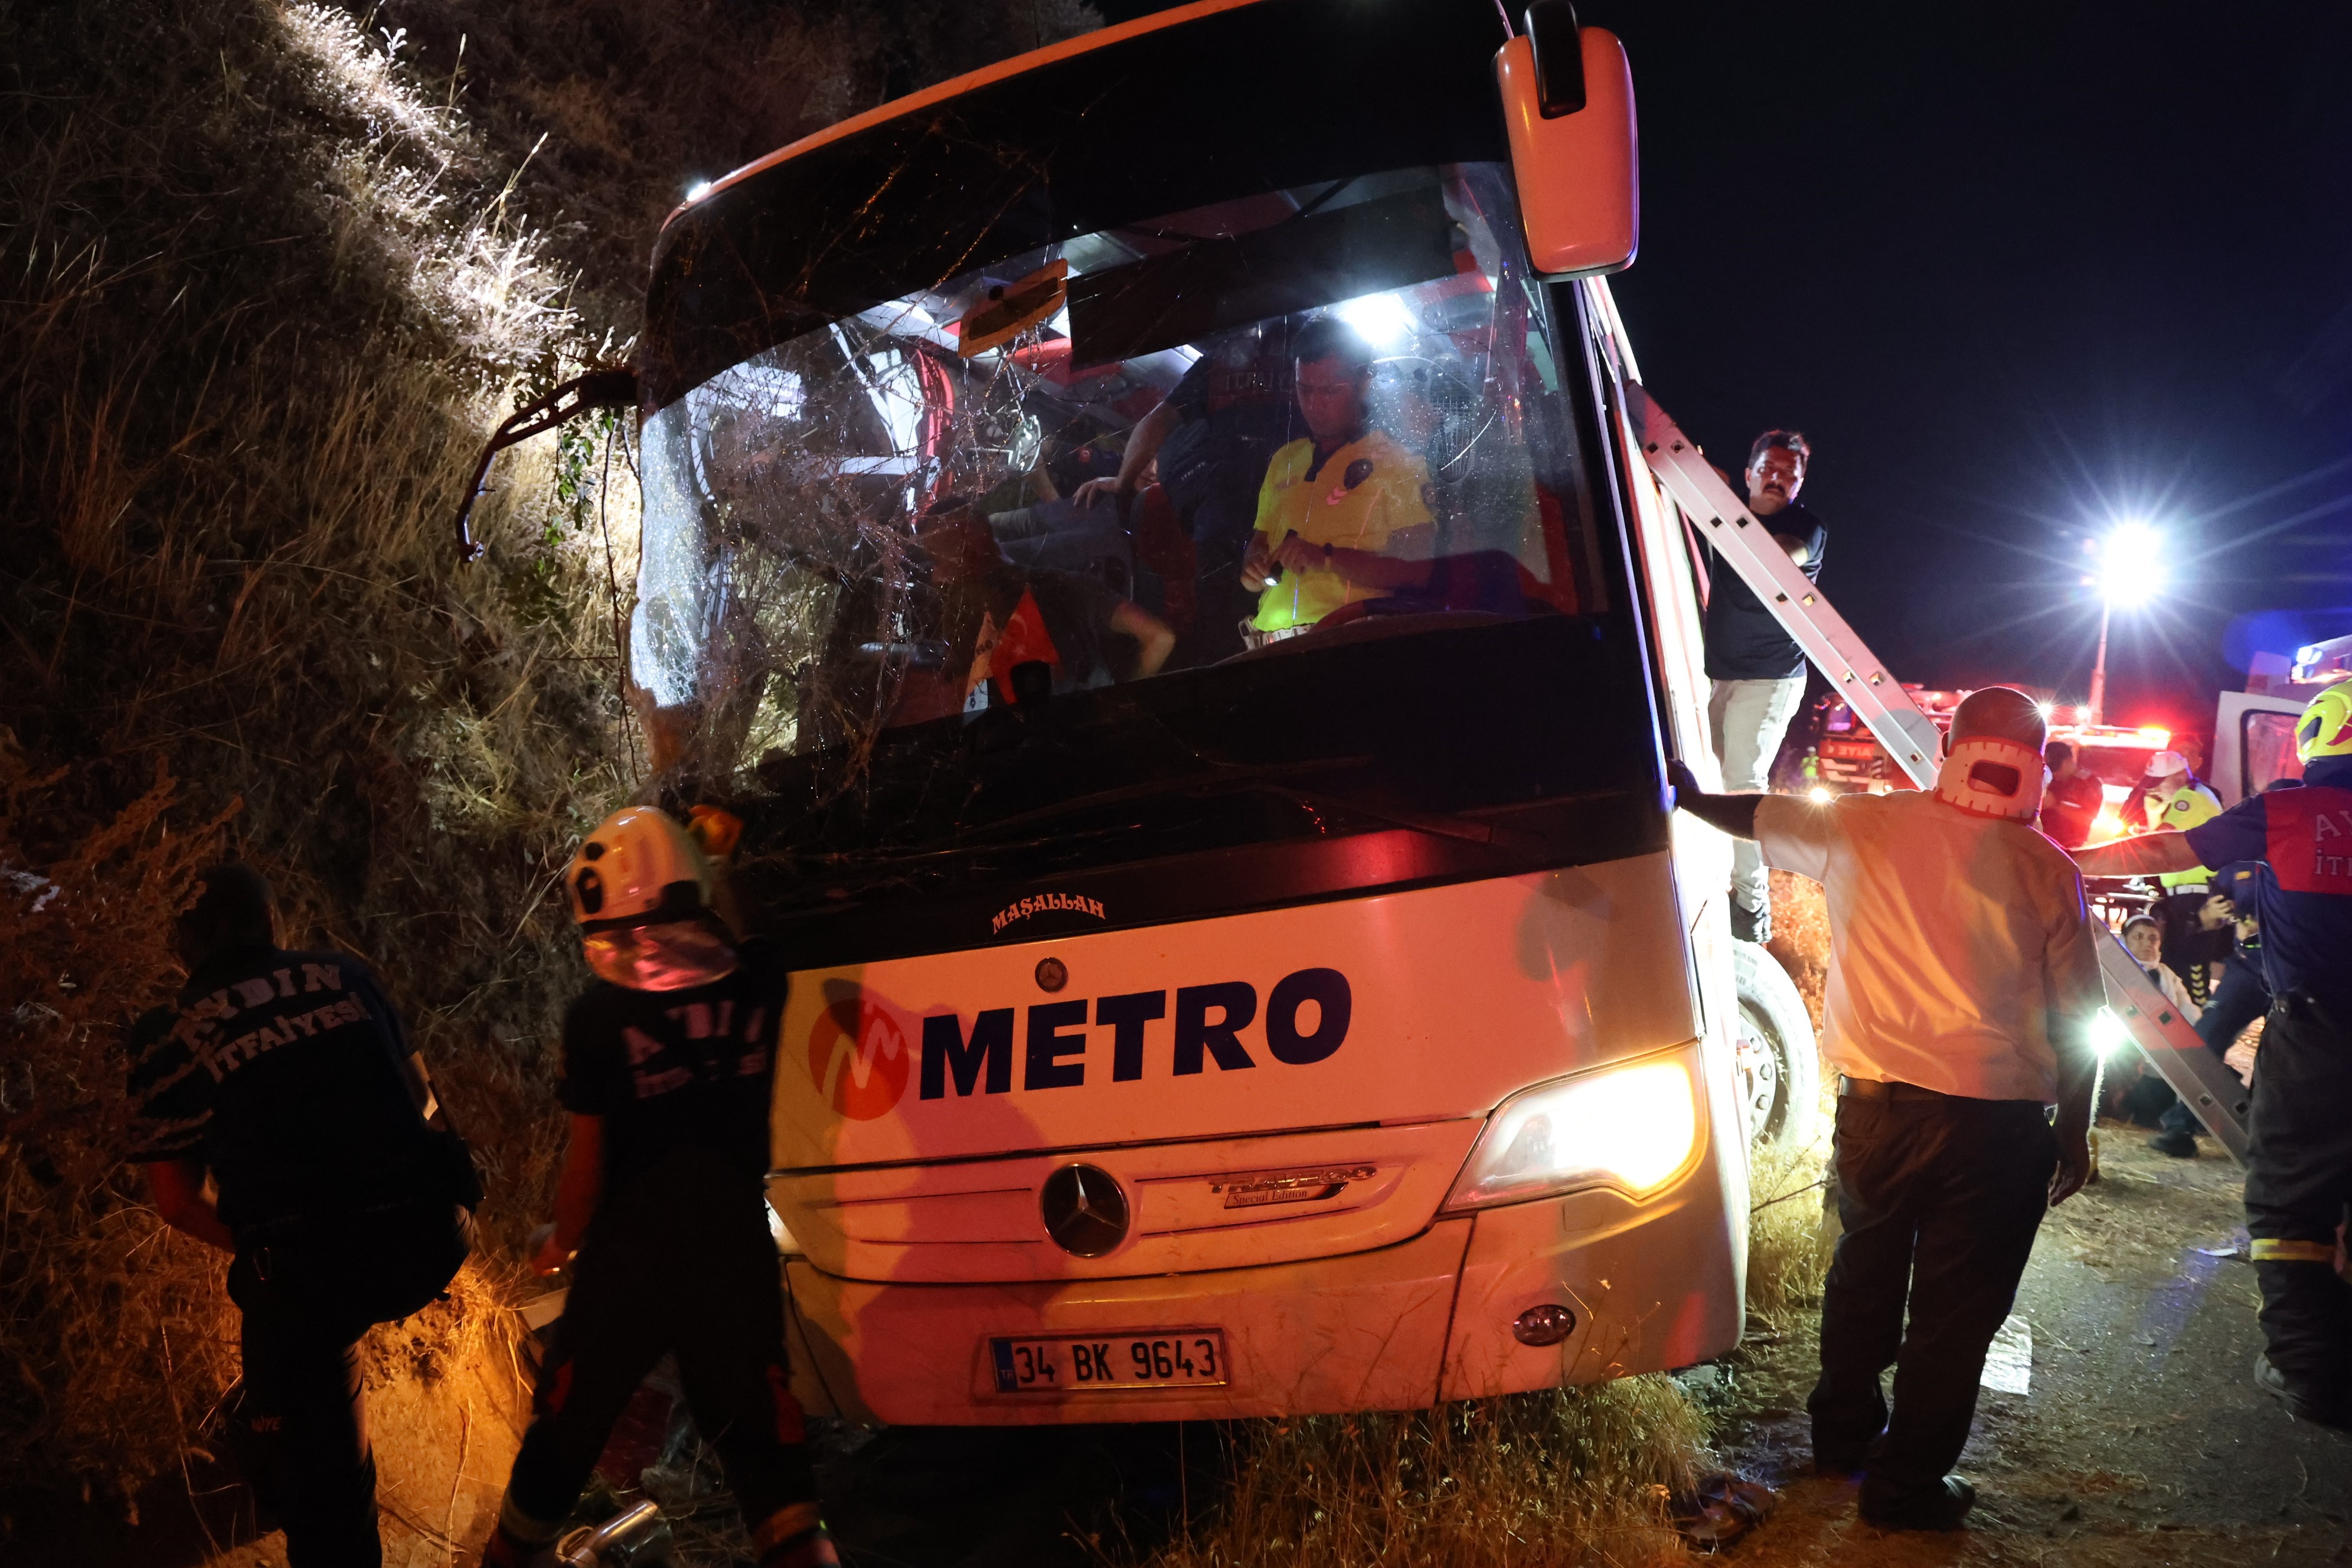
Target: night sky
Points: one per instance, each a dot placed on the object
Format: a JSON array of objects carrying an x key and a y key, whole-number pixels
[{"x": 2018, "y": 271}]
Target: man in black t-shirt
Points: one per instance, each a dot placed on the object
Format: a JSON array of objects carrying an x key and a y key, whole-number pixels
[
  {"x": 1758, "y": 670},
  {"x": 668, "y": 1058},
  {"x": 1214, "y": 436},
  {"x": 290, "y": 1081}
]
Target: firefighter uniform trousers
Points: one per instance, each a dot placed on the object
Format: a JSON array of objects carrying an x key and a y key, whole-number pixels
[
  {"x": 707, "y": 1288},
  {"x": 2298, "y": 1182},
  {"x": 300, "y": 1416}
]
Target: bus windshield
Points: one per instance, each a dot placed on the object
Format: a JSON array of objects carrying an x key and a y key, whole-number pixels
[{"x": 1143, "y": 478}]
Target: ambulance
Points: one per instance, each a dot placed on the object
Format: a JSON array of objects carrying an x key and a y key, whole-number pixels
[{"x": 1148, "y": 537}]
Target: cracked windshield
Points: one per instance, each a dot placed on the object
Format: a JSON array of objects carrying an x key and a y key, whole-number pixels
[{"x": 1314, "y": 419}]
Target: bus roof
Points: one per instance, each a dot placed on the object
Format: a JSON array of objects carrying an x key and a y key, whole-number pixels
[{"x": 1085, "y": 43}]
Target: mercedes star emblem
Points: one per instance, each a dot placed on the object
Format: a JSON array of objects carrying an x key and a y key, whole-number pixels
[{"x": 1085, "y": 1213}]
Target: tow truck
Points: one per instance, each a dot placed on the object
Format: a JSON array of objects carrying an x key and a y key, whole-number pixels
[{"x": 1195, "y": 1016}]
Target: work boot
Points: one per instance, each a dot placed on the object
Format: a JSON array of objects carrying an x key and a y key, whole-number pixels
[
  {"x": 1944, "y": 1506},
  {"x": 1750, "y": 925},
  {"x": 2180, "y": 1145},
  {"x": 2273, "y": 1382}
]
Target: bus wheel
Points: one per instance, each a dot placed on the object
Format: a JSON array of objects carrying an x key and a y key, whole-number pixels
[{"x": 1779, "y": 1060}]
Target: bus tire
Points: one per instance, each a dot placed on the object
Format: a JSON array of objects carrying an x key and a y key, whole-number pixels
[{"x": 1779, "y": 1060}]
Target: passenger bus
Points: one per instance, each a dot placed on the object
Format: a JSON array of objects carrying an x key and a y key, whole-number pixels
[{"x": 1147, "y": 537}]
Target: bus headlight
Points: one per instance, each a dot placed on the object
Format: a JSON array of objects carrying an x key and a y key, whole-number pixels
[{"x": 1633, "y": 1127}]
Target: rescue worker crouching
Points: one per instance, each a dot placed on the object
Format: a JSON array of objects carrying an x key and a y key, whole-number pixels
[
  {"x": 667, "y": 1064},
  {"x": 342, "y": 1191},
  {"x": 2299, "y": 1132}
]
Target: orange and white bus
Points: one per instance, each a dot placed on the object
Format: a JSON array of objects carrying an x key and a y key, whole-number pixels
[{"x": 1245, "y": 961}]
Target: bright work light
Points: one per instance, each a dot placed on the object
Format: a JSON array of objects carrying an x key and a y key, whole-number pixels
[
  {"x": 1630, "y": 1127},
  {"x": 2128, "y": 569},
  {"x": 2109, "y": 1035},
  {"x": 2129, "y": 565}
]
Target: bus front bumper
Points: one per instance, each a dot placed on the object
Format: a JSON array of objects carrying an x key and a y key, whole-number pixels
[{"x": 1650, "y": 1285}]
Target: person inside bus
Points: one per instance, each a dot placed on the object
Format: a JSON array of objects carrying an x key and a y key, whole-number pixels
[
  {"x": 1212, "y": 438},
  {"x": 994, "y": 615},
  {"x": 2071, "y": 800},
  {"x": 1344, "y": 513}
]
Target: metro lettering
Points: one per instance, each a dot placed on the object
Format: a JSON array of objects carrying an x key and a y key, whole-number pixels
[
  {"x": 1236, "y": 1002},
  {"x": 1127, "y": 1016},
  {"x": 1308, "y": 1017},
  {"x": 945, "y": 1049},
  {"x": 1327, "y": 989},
  {"x": 1050, "y": 1040}
]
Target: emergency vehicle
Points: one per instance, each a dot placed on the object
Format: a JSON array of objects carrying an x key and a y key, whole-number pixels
[{"x": 1331, "y": 1017}]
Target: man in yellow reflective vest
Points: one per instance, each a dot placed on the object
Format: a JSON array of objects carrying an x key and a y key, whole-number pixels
[{"x": 1344, "y": 514}]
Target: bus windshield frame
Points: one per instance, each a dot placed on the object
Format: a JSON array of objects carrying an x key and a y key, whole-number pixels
[{"x": 815, "y": 648}]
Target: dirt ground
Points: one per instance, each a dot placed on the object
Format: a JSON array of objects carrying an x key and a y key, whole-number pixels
[{"x": 2142, "y": 1440}]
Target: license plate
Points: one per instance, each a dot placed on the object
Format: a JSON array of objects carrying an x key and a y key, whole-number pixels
[{"x": 1085, "y": 1363}]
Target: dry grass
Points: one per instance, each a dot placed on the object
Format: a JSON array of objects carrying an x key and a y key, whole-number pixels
[
  {"x": 263, "y": 299},
  {"x": 1800, "y": 936},
  {"x": 1580, "y": 1476},
  {"x": 1789, "y": 1234},
  {"x": 268, "y": 274}
]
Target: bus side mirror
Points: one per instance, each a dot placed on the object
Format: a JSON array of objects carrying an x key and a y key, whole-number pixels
[{"x": 1577, "y": 169}]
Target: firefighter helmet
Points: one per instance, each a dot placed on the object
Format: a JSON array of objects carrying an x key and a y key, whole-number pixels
[
  {"x": 638, "y": 865},
  {"x": 2326, "y": 728}
]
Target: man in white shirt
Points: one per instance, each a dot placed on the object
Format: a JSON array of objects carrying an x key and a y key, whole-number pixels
[{"x": 1963, "y": 972}]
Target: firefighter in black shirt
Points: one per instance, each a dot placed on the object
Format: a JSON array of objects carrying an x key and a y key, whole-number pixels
[
  {"x": 287, "y": 1077},
  {"x": 668, "y": 1061}
]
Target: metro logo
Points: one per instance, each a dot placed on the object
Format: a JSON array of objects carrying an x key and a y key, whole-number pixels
[
  {"x": 860, "y": 1054},
  {"x": 1307, "y": 1018}
]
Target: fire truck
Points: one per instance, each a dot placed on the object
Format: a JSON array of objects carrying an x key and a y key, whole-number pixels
[
  {"x": 1148, "y": 537},
  {"x": 1836, "y": 754}
]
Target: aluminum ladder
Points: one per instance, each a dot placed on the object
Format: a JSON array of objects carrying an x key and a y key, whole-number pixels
[{"x": 2204, "y": 1083}]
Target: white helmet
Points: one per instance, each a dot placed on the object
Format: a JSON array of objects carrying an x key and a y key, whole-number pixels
[{"x": 638, "y": 865}]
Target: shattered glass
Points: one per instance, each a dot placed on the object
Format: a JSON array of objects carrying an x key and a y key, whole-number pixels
[{"x": 874, "y": 525}]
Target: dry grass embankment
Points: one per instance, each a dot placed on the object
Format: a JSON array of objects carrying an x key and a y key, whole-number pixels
[
  {"x": 263, "y": 297},
  {"x": 271, "y": 270}
]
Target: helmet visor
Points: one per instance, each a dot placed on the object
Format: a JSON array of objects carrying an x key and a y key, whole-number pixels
[{"x": 668, "y": 955}]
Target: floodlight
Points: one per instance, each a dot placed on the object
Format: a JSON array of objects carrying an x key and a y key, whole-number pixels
[{"x": 2130, "y": 565}]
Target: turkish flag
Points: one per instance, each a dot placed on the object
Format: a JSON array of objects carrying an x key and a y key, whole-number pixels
[{"x": 1022, "y": 640}]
